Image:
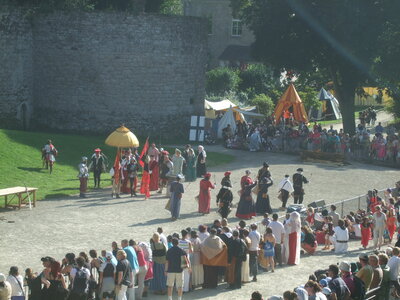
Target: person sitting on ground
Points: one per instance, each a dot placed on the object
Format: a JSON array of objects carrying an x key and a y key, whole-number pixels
[{"x": 309, "y": 244}]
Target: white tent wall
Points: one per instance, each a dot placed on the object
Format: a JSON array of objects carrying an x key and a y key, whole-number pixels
[{"x": 228, "y": 118}]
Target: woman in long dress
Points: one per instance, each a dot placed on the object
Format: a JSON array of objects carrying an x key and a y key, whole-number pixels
[
  {"x": 245, "y": 264},
  {"x": 365, "y": 232},
  {"x": 159, "y": 282},
  {"x": 195, "y": 261},
  {"x": 190, "y": 172},
  {"x": 154, "y": 172},
  {"x": 246, "y": 207},
  {"x": 201, "y": 168},
  {"x": 145, "y": 184},
  {"x": 263, "y": 204},
  {"x": 292, "y": 239},
  {"x": 225, "y": 196},
  {"x": 205, "y": 194}
]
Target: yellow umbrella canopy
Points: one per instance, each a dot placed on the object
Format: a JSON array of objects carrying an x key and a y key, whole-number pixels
[{"x": 123, "y": 138}]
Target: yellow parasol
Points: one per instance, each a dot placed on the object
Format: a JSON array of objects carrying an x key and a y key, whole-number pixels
[{"x": 122, "y": 137}]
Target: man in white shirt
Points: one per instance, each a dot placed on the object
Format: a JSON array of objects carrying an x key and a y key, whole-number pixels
[
  {"x": 255, "y": 238},
  {"x": 394, "y": 265},
  {"x": 285, "y": 187},
  {"x": 279, "y": 232}
]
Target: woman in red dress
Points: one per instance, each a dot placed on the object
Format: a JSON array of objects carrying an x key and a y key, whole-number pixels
[
  {"x": 144, "y": 186},
  {"x": 391, "y": 223},
  {"x": 205, "y": 194},
  {"x": 154, "y": 171},
  {"x": 365, "y": 232}
]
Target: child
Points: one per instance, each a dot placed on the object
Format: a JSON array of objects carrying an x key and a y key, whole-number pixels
[
  {"x": 329, "y": 232},
  {"x": 365, "y": 232},
  {"x": 266, "y": 220}
]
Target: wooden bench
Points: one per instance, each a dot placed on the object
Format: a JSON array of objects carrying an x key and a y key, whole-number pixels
[{"x": 21, "y": 193}]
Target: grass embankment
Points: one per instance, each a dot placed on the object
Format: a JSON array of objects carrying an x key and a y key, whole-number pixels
[{"x": 21, "y": 164}]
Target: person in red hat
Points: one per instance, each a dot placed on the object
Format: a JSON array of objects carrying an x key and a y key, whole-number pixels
[
  {"x": 97, "y": 165},
  {"x": 205, "y": 194},
  {"x": 225, "y": 196}
]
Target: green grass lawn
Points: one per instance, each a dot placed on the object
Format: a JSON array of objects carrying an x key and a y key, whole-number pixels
[{"x": 21, "y": 164}]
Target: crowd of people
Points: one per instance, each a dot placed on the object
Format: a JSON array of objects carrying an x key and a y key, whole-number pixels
[{"x": 291, "y": 136}]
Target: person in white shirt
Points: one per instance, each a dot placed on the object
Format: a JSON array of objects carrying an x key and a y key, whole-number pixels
[
  {"x": 203, "y": 234},
  {"x": 379, "y": 225},
  {"x": 163, "y": 238},
  {"x": 279, "y": 232},
  {"x": 335, "y": 216},
  {"x": 394, "y": 265},
  {"x": 341, "y": 237},
  {"x": 285, "y": 187},
  {"x": 16, "y": 281},
  {"x": 255, "y": 238}
]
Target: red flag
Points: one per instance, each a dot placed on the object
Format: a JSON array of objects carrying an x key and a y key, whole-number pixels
[
  {"x": 144, "y": 151},
  {"x": 117, "y": 167}
]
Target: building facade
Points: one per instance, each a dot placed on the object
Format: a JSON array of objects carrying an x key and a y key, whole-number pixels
[{"x": 229, "y": 40}]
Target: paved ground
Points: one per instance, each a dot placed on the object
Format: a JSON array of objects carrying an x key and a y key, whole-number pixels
[{"x": 71, "y": 224}]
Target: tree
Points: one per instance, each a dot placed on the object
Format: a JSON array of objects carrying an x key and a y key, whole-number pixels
[
  {"x": 220, "y": 81},
  {"x": 339, "y": 36},
  {"x": 264, "y": 104}
]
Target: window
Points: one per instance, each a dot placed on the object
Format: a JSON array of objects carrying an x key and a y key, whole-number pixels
[{"x": 236, "y": 27}]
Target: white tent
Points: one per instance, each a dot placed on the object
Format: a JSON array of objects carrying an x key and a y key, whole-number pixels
[
  {"x": 220, "y": 105},
  {"x": 329, "y": 109},
  {"x": 228, "y": 118}
]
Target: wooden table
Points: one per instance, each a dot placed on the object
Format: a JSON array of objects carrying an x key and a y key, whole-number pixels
[{"x": 19, "y": 192}]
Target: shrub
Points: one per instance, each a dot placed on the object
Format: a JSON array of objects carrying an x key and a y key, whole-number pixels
[
  {"x": 264, "y": 104},
  {"x": 221, "y": 80}
]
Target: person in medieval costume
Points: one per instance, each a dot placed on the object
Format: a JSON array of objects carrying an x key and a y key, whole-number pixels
[
  {"x": 97, "y": 165},
  {"x": 292, "y": 245},
  {"x": 205, "y": 194},
  {"x": 263, "y": 203},
  {"x": 225, "y": 196},
  {"x": 116, "y": 178},
  {"x": 133, "y": 168},
  {"x": 201, "y": 168},
  {"x": 190, "y": 171},
  {"x": 154, "y": 175},
  {"x": 83, "y": 176},
  {"x": 166, "y": 167},
  {"x": 124, "y": 170},
  {"x": 246, "y": 208},
  {"x": 153, "y": 150},
  {"x": 298, "y": 180},
  {"x": 176, "y": 189},
  {"x": 264, "y": 171},
  {"x": 214, "y": 255},
  {"x": 145, "y": 184},
  {"x": 49, "y": 152},
  {"x": 178, "y": 161},
  {"x": 245, "y": 179}
]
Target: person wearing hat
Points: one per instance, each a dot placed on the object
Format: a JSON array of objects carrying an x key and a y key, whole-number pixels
[
  {"x": 246, "y": 208},
  {"x": 97, "y": 165},
  {"x": 264, "y": 171},
  {"x": 176, "y": 189},
  {"x": 345, "y": 273},
  {"x": 298, "y": 180},
  {"x": 263, "y": 204},
  {"x": 339, "y": 289},
  {"x": 5, "y": 288},
  {"x": 285, "y": 187},
  {"x": 83, "y": 176},
  {"x": 366, "y": 271},
  {"x": 201, "y": 167},
  {"x": 106, "y": 277},
  {"x": 205, "y": 194},
  {"x": 225, "y": 196}
]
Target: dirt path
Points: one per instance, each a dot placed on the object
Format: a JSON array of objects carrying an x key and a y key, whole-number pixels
[{"x": 71, "y": 224}]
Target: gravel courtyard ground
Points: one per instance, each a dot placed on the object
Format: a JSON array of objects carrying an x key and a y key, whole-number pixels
[{"x": 71, "y": 224}]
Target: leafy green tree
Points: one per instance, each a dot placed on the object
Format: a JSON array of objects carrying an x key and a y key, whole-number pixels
[
  {"x": 220, "y": 81},
  {"x": 264, "y": 104},
  {"x": 342, "y": 37}
]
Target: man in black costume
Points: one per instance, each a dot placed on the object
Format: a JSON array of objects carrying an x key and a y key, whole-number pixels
[
  {"x": 225, "y": 197},
  {"x": 298, "y": 180}
]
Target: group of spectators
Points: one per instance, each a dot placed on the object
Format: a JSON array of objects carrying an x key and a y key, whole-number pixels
[{"x": 383, "y": 145}]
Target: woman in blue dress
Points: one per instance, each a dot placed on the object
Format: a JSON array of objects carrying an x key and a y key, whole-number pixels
[{"x": 269, "y": 248}]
